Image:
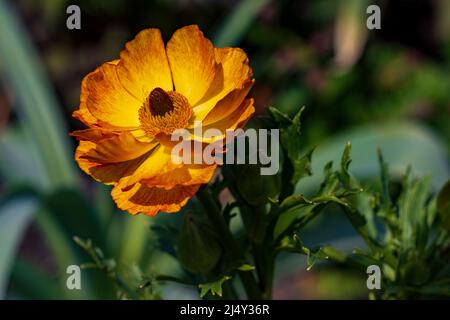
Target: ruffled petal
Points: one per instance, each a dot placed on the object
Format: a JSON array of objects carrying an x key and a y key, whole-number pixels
[
  {"x": 150, "y": 200},
  {"x": 93, "y": 134},
  {"x": 237, "y": 119},
  {"x": 108, "y": 157},
  {"x": 234, "y": 74},
  {"x": 227, "y": 105},
  {"x": 158, "y": 162},
  {"x": 192, "y": 61},
  {"x": 108, "y": 101},
  {"x": 144, "y": 66},
  {"x": 119, "y": 148},
  {"x": 186, "y": 175}
]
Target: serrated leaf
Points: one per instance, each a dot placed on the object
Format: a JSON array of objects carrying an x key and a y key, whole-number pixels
[
  {"x": 312, "y": 255},
  {"x": 302, "y": 166},
  {"x": 345, "y": 163},
  {"x": 215, "y": 287},
  {"x": 281, "y": 118}
]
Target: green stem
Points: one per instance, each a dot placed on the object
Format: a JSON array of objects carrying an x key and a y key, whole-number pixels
[
  {"x": 228, "y": 241},
  {"x": 261, "y": 245}
]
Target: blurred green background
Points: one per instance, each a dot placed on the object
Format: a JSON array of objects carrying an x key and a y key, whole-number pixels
[{"x": 387, "y": 88}]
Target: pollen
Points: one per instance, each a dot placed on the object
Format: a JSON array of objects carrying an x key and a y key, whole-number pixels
[{"x": 164, "y": 112}]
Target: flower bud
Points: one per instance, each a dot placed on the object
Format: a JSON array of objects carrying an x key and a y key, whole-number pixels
[{"x": 198, "y": 246}]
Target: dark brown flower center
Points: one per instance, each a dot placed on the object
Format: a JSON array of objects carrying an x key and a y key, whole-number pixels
[
  {"x": 164, "y": 112},
  {"x": 160, "y": 102}
]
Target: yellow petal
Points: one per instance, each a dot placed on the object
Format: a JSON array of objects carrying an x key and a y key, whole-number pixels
[
  {"x": 192, "y": 61},
  {"x": 108, "y": 157},
  {"x": 235, "y": 73},
  {"x": 109, "y": 173},
  {"x": 237, "y": 119},
  {"x": 93, "y": 134},
  {"x": 108, "y": 101},
  {"x": 119, "y": 148},
  {"x": 158, "y": 162},
  {"x": 227, "y": 105},
  {"x": 151, "y": 200},
  {"x": 186, "y": 175},
  {"x": 144, "y": 66}
]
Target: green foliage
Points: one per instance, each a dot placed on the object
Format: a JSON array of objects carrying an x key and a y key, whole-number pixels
[
  {"x": 141, "y": 287},
  {"x": 404, "y": 236},
  {"x": 198, "y": 247},
  {"x": 443, "y": 205},
  {"x": 215, "y": 287},
  {"x": 39, "y": 112},
  {"x": 15, "y": 214}
]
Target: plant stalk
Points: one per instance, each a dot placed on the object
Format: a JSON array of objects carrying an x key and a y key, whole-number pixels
[{"x": 228, "y": 241}]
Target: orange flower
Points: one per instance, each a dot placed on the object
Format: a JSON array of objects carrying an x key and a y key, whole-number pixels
[{"x": 133, "y": 104}]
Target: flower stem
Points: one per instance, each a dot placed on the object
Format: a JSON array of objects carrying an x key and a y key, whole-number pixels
[{"x": 228, "y": 241}]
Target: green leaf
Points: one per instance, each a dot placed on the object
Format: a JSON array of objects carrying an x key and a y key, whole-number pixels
[
  {"x": 345, "y": 163},
  {"x": 384, "y": 177},
  {"x": 290, "y": 130},
  {"x": 20, "y": 153},
  {"x": 288, "y": 218},
  {"x": 255, "y": 188},
  {"x": 290, "y": 137},
  {"x": 15, "y": 216},
  {"x": 30, "y": 282},
  {"x": 135, "y": 236},
  {"x": 312, "y": 255},
  {"x": 74, "y": 215},
  {"x": 412, "y": 208},
  {"x": 299, "y": 211},
  {"x": 443, "y": 205},
  {"x": 214, "y": 287},
  {"x": 294, "y": 200},
  {"x": 198, "y": 247},
  {"x": 281, "y": 118},
  {"x": 246, "y": 267},
  {"x": 302, "y": 166}
]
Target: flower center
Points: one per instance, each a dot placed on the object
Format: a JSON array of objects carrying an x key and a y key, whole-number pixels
[{"x": 164, "y": 112}]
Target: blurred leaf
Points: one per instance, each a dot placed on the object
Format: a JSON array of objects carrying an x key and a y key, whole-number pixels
[
  {"x": 15, "y": 216},
  {"x": 236, "y": 24},
  {"x": 19, "y": 153},
  {"x": 62, "y": 248},
  {"x": 443, "y": 205},
  {"x": 402, "y": 143},
  {"x": 38, "y": 109},
  {"x": 350, "y": 31},
  {"x": 30, "y": 282},
  {"x": 134, "y": 238},
  {"x": 246, "y": 267},
  {"x": 75, "y": 215}
]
